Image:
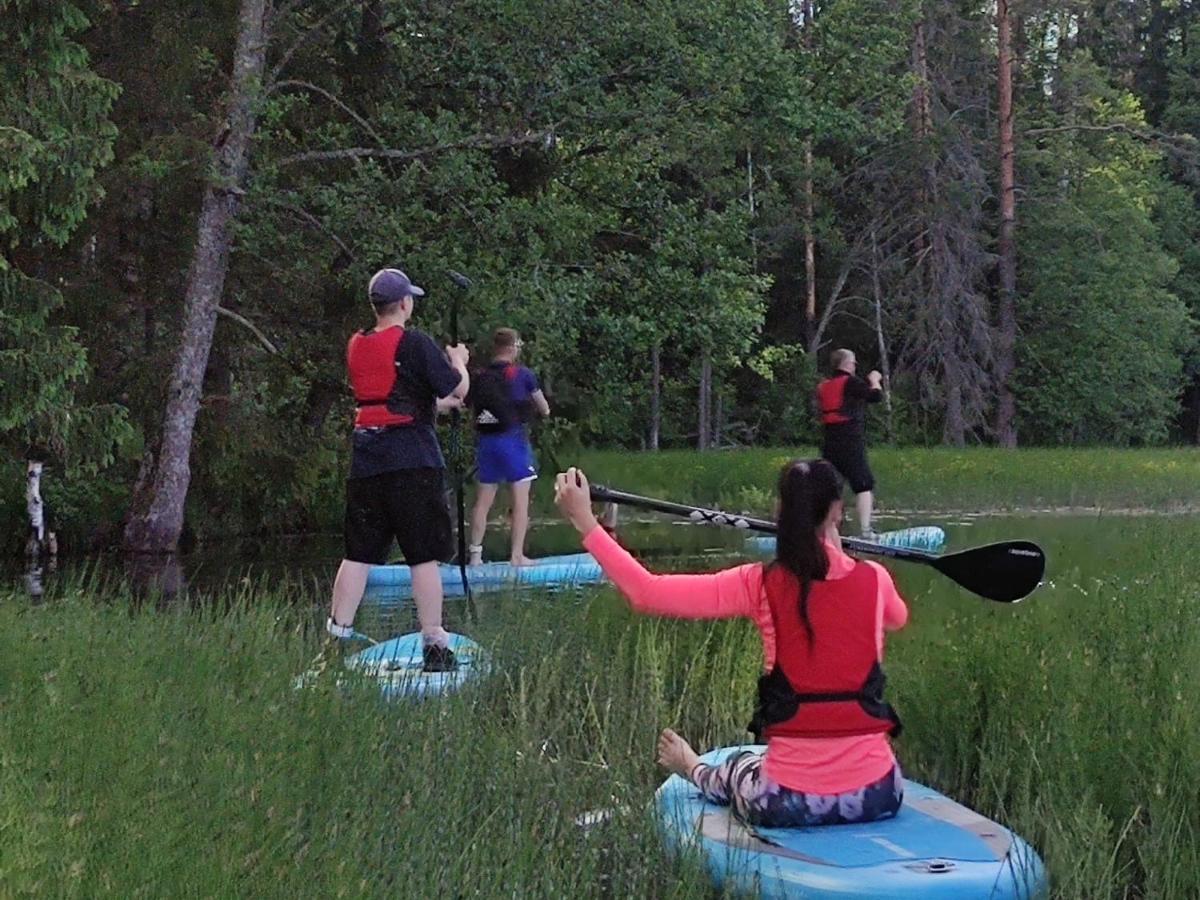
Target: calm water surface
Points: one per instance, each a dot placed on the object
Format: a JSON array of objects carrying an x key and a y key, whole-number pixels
[{"x": 1078, "y": 549}]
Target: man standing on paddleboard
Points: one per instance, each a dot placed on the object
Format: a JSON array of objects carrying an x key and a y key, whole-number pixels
[
  {"x": 396, "y": 489},
  {"x": 504, "y": 396},
  {"x": 842, "y": 400}
]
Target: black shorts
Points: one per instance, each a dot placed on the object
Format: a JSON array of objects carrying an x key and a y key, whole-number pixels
[
  {"x": 847, "y": 451},
  {"x": 408, "y": 505}
]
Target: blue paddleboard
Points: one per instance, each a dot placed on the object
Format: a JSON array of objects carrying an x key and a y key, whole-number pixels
[
  {"x": 395, "y": 582},
  {"x": 396, "y": 665},
  {"x": 922, "y": 537},
  {"x": 933, "y": 848}
]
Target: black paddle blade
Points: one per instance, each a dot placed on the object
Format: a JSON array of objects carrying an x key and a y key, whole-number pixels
[{"x": 1004, "y": 572}]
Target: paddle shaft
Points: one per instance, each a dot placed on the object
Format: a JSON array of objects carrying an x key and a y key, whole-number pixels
[
  {"x": 456, "y": 430},
  {"x": 1005, "y": 572},
  {"x": 716, "y": 517}
]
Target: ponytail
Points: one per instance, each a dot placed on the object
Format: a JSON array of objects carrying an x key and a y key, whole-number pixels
[{"x": 807, "y": 490}]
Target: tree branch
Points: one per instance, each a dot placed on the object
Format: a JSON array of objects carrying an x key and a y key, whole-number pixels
[
  {"x": 1180, "y": 142},
  {"x": 251, "y": 327},
  {"x": 316, "y": 223},
  {"x": 305, "y": 37},
  {"x": 317, "y": 89},
  {"x": 479, "y": 142}
]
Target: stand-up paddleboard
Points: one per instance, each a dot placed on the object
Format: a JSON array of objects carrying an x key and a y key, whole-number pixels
[
  {"x": 397, "y": 666},
  {"x": 922, "y": 537},
  {"x": 933, "y": 848},
  {"x": 395, "y": 582}
]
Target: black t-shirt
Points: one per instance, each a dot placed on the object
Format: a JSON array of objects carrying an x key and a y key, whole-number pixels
[
  {"x": 855, "y": 397},
  {"x": 430, "y": 376}
]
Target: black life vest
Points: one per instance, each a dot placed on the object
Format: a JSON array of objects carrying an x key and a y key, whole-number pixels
[
  {"x": 381, "y": 391},
  {"x": 831, "y": 398},
  {"x": 492, "y": 404},
  {"x": 834, "y": 686}
]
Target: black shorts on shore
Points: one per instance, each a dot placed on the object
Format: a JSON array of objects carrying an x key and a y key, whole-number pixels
[
  {"x": 847, "y": 450},
  {"x": 408, "y": 505}
]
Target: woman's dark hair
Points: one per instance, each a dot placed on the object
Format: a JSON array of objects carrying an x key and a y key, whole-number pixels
[{"x": 807, "y": 489}]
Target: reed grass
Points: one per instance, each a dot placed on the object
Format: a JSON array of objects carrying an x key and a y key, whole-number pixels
[{"x": 162, "y": 750}]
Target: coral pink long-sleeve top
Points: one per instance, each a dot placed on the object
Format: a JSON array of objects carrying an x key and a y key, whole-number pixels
[{"x": 830, "y": 765}]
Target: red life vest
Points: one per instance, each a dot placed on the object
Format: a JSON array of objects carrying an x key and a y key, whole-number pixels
[
  {"x": 832, "y": 687},
  {"x": 831, "y": 398},
  {"x": 382, "y": 395}
]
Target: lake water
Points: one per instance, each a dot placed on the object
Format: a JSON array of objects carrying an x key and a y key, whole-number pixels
[{"x": 1077, "y": 548}]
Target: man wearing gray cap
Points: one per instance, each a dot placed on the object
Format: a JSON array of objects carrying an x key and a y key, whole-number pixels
[{"x": 396, "y": 489}]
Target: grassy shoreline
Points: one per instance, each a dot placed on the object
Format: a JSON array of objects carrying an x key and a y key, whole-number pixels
[
  {"x": 156, "y": 751},
  {"x": 939, "y": 479}
]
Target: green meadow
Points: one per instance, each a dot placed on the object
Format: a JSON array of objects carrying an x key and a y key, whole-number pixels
[
  {"x": 940, "y": 479},
  {"x": 160, "y": 749}
]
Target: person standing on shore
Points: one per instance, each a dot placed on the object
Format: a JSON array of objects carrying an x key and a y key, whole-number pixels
[
  {"x": 503, "y": 399},
  {"x": 396, "y": 489},
  {"x": 842, "y": 400}
]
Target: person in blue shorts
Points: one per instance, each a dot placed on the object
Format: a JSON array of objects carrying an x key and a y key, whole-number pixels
[{"x": 504, "y": 397}]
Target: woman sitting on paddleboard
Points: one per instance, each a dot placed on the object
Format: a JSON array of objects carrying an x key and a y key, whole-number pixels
[{"x": 821, "y": 615}]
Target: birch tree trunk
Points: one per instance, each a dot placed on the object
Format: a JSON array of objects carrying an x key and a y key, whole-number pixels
[
  {"x": 704, "y": 437},
  {"x": 156, "y": 529},
  {"x": 35, "y": 508},
  {"x": 1006, "y": 335}
]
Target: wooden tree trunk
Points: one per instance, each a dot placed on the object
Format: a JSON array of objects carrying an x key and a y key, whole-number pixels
[
  {"x": 954, "y": 432},
  {"x": 810, "y": 241},
  {"x": 1006, "y": 334},
  {"x": 922, "y": 126},
  {"x": 718, "y": 417},
  {"x": 704, "y": 437},
  {"x": 885, "y": 367},
  {"x": 156, "y": 529},
  {"x": 810, "y": 248},
  {"x": 36, "y": 509},
  {"x": 753, "y": 207},
  {"x": 655, "y": 395}
]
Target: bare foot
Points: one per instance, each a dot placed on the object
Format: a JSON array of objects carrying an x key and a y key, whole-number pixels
[
  {"x": 676, "y": 754},
  {"x": 476, "y": 559},
  {"x": 521, "y": 560}
]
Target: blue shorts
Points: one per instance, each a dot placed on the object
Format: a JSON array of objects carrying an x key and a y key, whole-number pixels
[{"x": 505, "y": 458}]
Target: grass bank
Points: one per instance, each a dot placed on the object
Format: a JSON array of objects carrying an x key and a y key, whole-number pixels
[
  {"x": 926, "y": 479},
  {"x": 156, "y": 752}
]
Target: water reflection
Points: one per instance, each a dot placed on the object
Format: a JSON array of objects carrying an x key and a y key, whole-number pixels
[
  {"x": 158, "y": 577},
  {"x": 303, "y": 569},
  {"x": 35, "y": 573}
]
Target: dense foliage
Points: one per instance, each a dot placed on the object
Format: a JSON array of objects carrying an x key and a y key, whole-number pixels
[{"x": 633, "y": 185}]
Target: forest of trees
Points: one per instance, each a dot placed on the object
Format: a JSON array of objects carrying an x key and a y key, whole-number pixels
[{"x": 682, "y": 205}]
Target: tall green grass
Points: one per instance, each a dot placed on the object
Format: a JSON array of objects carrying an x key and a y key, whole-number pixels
[
  {"x": 931, "y": 479},
  {"x": 163, "y": 751}
]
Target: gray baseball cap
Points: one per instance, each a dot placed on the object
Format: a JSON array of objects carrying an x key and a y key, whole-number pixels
[{"x": 390, "y": 286}]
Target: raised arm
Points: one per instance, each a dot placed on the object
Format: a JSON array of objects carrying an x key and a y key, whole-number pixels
[
  {"x": 727, "y": 594},
  {"x": 719, "y": 595},
  {"x": 869, "y": 390}
]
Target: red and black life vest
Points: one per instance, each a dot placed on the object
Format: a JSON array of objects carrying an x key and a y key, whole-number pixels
[
  {"x": 491, "y": 399},
  {"x": 381, "y": 392},
  {"x": 833, "y": 686},
  {"x": 831, "y": 398}
]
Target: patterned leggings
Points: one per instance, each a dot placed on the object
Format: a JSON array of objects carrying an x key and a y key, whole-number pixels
[{"x": 738, "y": 780}]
